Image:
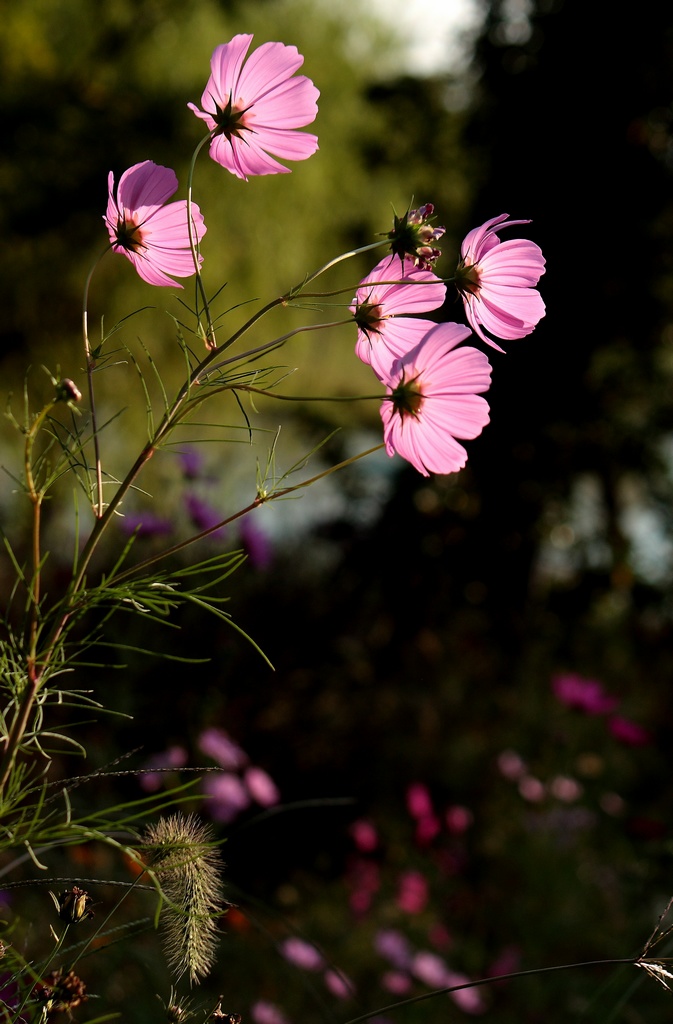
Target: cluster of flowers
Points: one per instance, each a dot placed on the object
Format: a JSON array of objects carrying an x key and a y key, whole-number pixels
[
  {"x": 252, "y": 109},
  {"x": 433, "y": 386},
  {"x": 590, "y": 697},
  {"x": 238, "y": 786}
]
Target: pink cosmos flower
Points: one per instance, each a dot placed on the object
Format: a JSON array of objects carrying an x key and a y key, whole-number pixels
[
  {"x": 261, "y": 786},
  {"x": 252, "y": 109},
  {"x": 394, "y": 288},
  {"x": 152, "y": 233},
  {"x": 496, "y": 280},
  {"x": 412, "y": 892},
  {"x": 263, "y": 1012},
  {"x": 338, "y": 983},
  {"x": 364, "y": 835},
  {"x": 216, "y": 743},
  {"x": 586, "y": 695},
  {"x": 433, "y": 398},
  {"x": 301, "y": 954},
  {"x": 227, "y": 796},
  {"x": 628, "y": 732},
  {"x": 418, "y": 800}
]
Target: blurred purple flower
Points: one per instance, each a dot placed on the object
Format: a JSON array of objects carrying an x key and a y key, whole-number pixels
[
  {"x": 227, "y": 796},
  {"x": 302, "y": 954},
  {"x": 256, "y": 544},
  {"x": 627, "y": 732},
  {"x": 173, "y": 757},
  {"x": 202, "y": 515},
  {"x": 586, "y": 695},
  {"x": 145, "y": 524},
  {"x": 394, "y": 946},
  {"x": 261, "y": 786},
  {"x": 215, "y": 743},
  {"x": 191, "y": 462}
]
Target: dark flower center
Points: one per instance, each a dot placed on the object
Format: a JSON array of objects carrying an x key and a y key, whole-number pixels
[
  {"x": 407, "y": 398},
  {"x": 129, "y": 235},
  {"x": 228, "y": 121},
  {"x": 368, "y": 317},
  {"x": 467, "y": 278}
]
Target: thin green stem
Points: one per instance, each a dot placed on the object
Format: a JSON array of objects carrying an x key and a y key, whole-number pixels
[
  {"x": 259, "y": 500},
  {"x": 210, "y": 339},
  {"x": 488, "y": 981},
  {"x": 90, "y": 367}
]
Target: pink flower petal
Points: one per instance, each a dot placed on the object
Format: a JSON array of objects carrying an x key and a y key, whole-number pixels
[
  {"x": 431, "y": 401},
  {"x": 152, "y": 234},
  {"x": 253, "y": 107},
  {"x": 497, "y": 279}
]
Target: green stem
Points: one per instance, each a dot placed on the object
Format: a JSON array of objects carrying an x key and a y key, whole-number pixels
[
  {"x": 210, "y": 339},
  {"x": 259, "y": 500},
  {"x": 488, "y": 981},
  {"x": 90, "y": 367}
]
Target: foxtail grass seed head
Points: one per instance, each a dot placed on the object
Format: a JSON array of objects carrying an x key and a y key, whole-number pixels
[{"x": 181, "y": 854}]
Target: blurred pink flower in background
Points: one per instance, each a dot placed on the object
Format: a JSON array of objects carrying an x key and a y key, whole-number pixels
[
  {"x": 586, "y": 695},
  {"x": 263, "y": 1012},
  {"x": 364, "y": 835},
  {"x": 227, "y": 796},
  {"x": 418, "y": 800},
  {"x": 458, "y": 819},
  {"x": 565, "y": 788},
  {"x": 149, "y": 231},
  {"x": 433, "y": 399},
  {"x": 430, "y": 969},
  {"x": 394, "y": 946},
  {"x": 338, "y": 984},
  {"x": 173, "y": 757},
  {"x": 627, "y": 732},
  {"x": 412, "y": 892},
  {"x": 531, "y": 789},
  {"x": 215, "y": 743},
  {"x": 364, "y": 878},
  {"x": 383, "y": 299},
  {"x": 470, "y": 1000},
  {"x": 396, "y": 982},
  {"x": 261, "y": 786},
  {"x": 511, "y": 765},
  {"x": 252, "y": 108},
  {"x": 496, "y": 281},
  {"x": 427, "y": 828},
  {"x": 302, "y": 954}
]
